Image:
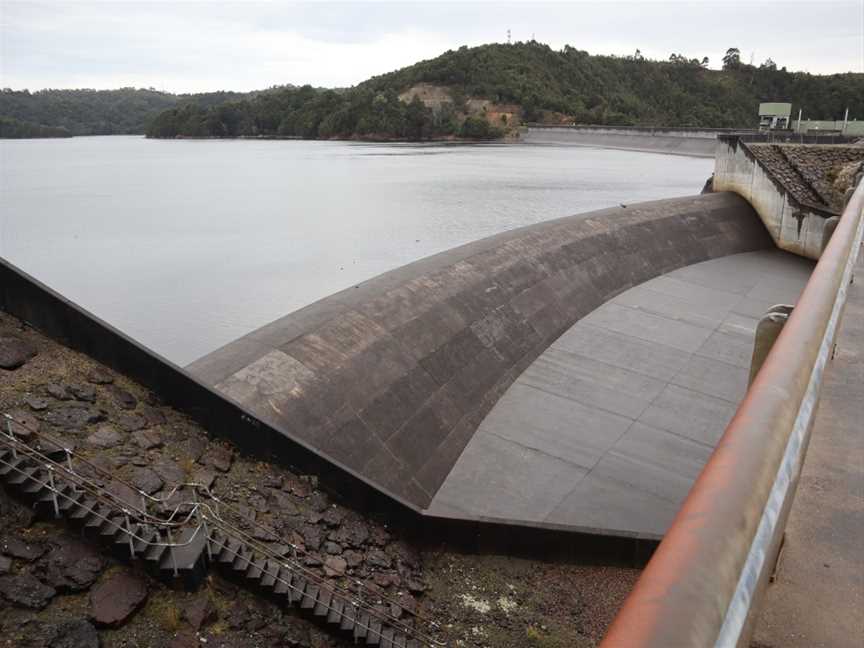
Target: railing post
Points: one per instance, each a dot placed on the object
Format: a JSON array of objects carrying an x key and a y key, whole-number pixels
[
  {"x": 12, "y": 438},
  {"x": 202, "y": 522},
  {"x": 173, "y": 555},
  {"x": 50, "y": 469},
  {"x": 767, "y": 331},
  {"x": 129, "y": 534}
]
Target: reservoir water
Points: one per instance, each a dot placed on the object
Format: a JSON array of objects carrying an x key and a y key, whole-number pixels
[{"x": 187, "y": 245}]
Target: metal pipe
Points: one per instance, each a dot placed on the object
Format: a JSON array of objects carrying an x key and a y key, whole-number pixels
[{"x": 703, "y": 584}]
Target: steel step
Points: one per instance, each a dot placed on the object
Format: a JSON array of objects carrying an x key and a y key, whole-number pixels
[
  {"x": 322, "y": 606},
  {"x": 22, "y": 475},
  {"x": 387, "y": 638},
  {"x": 298, "y": 586},
  {"x": 283, "y": 581},
  {"x": 309, "y": 598},
  {"x": 361, "y": 624},
  {"x": 271, "y": 570},
  {"x": 348, "y": 621},
  {"x": 373, "y": 635},
  {"x": 337, "y": 605}
]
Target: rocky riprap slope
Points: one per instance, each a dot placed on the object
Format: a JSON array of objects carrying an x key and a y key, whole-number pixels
[
  {"x": 811, "y": 172},
  {"x": 58, "y": 590}
]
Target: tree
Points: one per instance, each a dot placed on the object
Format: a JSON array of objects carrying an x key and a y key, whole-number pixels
[
  {"x": 704, "y": 62},
  {"x": 768, "y": 65},
  {"x": 732, "y": 59}
]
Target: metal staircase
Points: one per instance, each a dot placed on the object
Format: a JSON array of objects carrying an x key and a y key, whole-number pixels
[{"x": 190, "y": 530}]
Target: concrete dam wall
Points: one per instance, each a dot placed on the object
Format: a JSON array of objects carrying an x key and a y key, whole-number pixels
[
  {"x": 693, "y": 142},
  {"x": 390, "y": 380}
]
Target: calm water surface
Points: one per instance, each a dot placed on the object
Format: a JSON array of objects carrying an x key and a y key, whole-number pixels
[{"x": 187, "y": 245}]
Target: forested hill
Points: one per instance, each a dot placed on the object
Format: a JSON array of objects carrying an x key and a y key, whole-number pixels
[
  {"x": 479, "y": 92},
  {"x": 53, "y": 113},
  {"x": 486, "y": 91}
]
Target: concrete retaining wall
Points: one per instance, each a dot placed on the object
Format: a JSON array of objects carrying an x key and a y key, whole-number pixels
[
  {"x": 692, "y": 142},
  {"x": 795, "y": 226}
]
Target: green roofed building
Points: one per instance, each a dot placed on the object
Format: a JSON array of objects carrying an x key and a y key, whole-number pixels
[{"x": 774, "y": 115}]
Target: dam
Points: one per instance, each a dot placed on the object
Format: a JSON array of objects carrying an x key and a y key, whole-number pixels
[{"x": 408, "y": 381}]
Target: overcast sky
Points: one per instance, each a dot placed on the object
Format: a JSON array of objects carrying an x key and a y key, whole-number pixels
[{"x": 199, "y": 46}]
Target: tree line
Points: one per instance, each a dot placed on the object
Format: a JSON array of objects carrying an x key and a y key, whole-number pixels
[{"x": 566, "y": 85}]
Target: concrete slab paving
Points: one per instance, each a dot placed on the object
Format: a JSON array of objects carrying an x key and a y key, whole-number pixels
[{"x": 607, "y": 430}]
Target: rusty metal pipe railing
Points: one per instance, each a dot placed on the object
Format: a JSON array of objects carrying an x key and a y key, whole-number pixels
[{"x": 703, "y": 584}]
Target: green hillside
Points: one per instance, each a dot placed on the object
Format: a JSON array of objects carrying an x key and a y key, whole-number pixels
[
  {"x": 91, "y": 112},
  {"x": 479, "y": 92},
  {"x": 523, "y": 82}
]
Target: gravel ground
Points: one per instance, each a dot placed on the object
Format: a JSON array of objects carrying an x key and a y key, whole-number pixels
[{"x": 488, "y": 601}]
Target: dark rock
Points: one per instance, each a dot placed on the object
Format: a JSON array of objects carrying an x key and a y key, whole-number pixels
[
  {"x": 86, "y": 393},
  {"x": 335, "y": 566},
  {"x": 115, "y": 599},
  {"x": 312, "y": 560},
  {"x": 282, "y": 503},
  {"x": 280, "y": 549},
  {"x": 199, "y": 612},
  {"x": 353, "y": 558},
  {"x": 21, "y": 549},
  {"x": 385, "y": 580},
  {"x": 58, "y": 391},
  {"x": 219, "y": 457},
  {"x": 195, "y": 447},
  {"x": 298, "y": 487},
  {"x": 147, "y": 439},
  {"x": 153, "y": 416},
  {"x": 23, "y": 423},
  {"x": 57, "y": 443},
  {"x": 272, "y": 481},
  {"x": 72, "y": 565},
  {"x": 379, "y": 536},
  {"x": 14, "y": 352},
  {"x": 258, "y": 502},
  {"x": 170, "y": 472},
  {"x": 99, "y": 377},
  {"x": 204, "y": 478},
  {"x": 124, "y": 493},
  {"x": 332, "y": 548},
  {"x": 123, "y": 398},
  {"x": 105, "y": 436},
  {"x": 131, "y": 422},
  {"x": 78, "y": 633},
  {"x": 37, "y": 404},
  {"x": 263, "y": 534},
  {"x": 311, "y": 536},
  {"x": 5, "y": 565},
  {"x": 140, "y": 460},
  {"x": 146, "y": 480},
  {"x": 74, "y": 417},
  {"x": 377, "y": 558},
  {"x": 353, "y": 533},
  {"x": 318, "y": 502},
  {"x": 333, "y": 516},
  {"x": 26, "y": 591}
]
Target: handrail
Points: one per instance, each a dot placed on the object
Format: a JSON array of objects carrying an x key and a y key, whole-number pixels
[
  {"x": 202, "y": 512},
  {"x": 703, "y": 584}
]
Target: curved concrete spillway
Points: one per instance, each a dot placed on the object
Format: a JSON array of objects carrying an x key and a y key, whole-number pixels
[
  {"x": 607, "y": 430},
  {"x": 392, "y": 379}
]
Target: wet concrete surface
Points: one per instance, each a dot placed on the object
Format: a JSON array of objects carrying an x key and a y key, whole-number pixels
[{"x": 817, "y": 600}]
